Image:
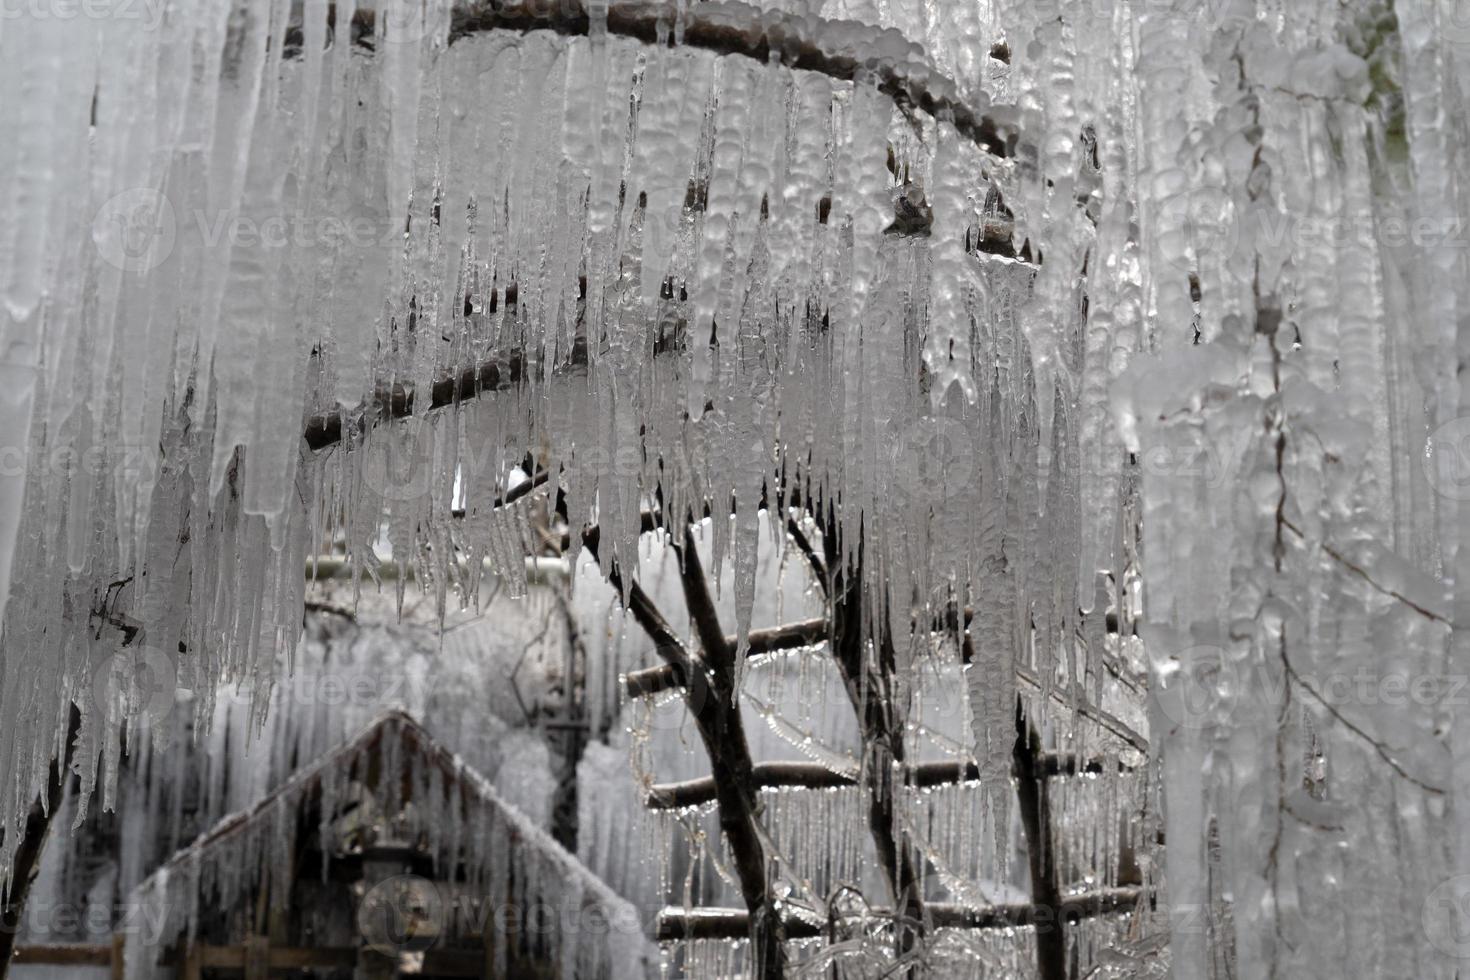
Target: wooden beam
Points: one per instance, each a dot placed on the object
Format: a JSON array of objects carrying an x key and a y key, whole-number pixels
[
  {"x": 814, "y": 775},
  {"x": 257, "y": 958},
  {"x": 676, "y": 925},
  {"x": 64, "y": 954},
  {"x": 193, "y": 968},
  {"x": 655, "y": 680},
  {"x": 277, "y": 958}
]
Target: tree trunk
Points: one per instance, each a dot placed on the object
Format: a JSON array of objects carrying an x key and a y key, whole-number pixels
[{"x": 1051, "y": 937}]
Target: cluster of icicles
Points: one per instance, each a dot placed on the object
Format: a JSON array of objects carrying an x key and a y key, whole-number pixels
[
  {"x": 702, "y": 279},
  {"x": 681, "y": 267}
]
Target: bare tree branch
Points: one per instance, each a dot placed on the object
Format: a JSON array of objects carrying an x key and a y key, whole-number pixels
[{"x": 792, "y": 636}]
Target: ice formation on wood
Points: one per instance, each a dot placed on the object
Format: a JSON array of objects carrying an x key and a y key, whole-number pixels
[
  {"x": 506, "y": 870},
  {"x": 1121, "y": 327}
]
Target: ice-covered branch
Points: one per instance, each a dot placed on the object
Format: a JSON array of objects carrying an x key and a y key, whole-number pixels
[
  {"x": 717, "y": 711},
  {"x": 845, "y": 50},
  {"x": 400, "y": 401},
  {"x": 709, "y": 682},
  {"x": 814, "y": 561},
  {"x": 792, "y": 636},
  {"x": 1362, "y": 573}
]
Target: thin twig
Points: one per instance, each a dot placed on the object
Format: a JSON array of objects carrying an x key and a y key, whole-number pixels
[
  {"x": 1378, "y": 747},
  {"x": 1362, "y": 573}
]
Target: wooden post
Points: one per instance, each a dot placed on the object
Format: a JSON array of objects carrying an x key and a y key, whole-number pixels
[
  {"x": 373, "y": 965},
  {"x": 257, "y": 958},
  {"x": 193, "y": 967},
  {"x": 488, "y": 937},
  {"x": 119, "y": 941}
]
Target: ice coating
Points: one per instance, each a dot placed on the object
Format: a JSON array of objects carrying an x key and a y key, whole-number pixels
[{"x": 1170, "y": 347}]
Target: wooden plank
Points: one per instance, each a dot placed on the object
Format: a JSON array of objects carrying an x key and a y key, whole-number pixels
[
  {"x": 238, "y": 959},
  {"x": 278, "y": 957},
  {"x": 373, "y": 965},
  {"x": 301, "y": 959},
  {"x": 65, "y": 954},
  {"x": 220, "y": 957},
  {"x": 257, "y": 958},
  {"x": 455, "y": 963},
  {"x": 193, "y": 968}
]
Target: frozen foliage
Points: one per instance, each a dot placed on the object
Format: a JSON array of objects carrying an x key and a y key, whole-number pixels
[{"x": 1184, "y": 354}]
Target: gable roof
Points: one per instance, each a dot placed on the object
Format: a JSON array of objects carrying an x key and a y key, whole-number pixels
[{"x": 516, "y": 862}]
